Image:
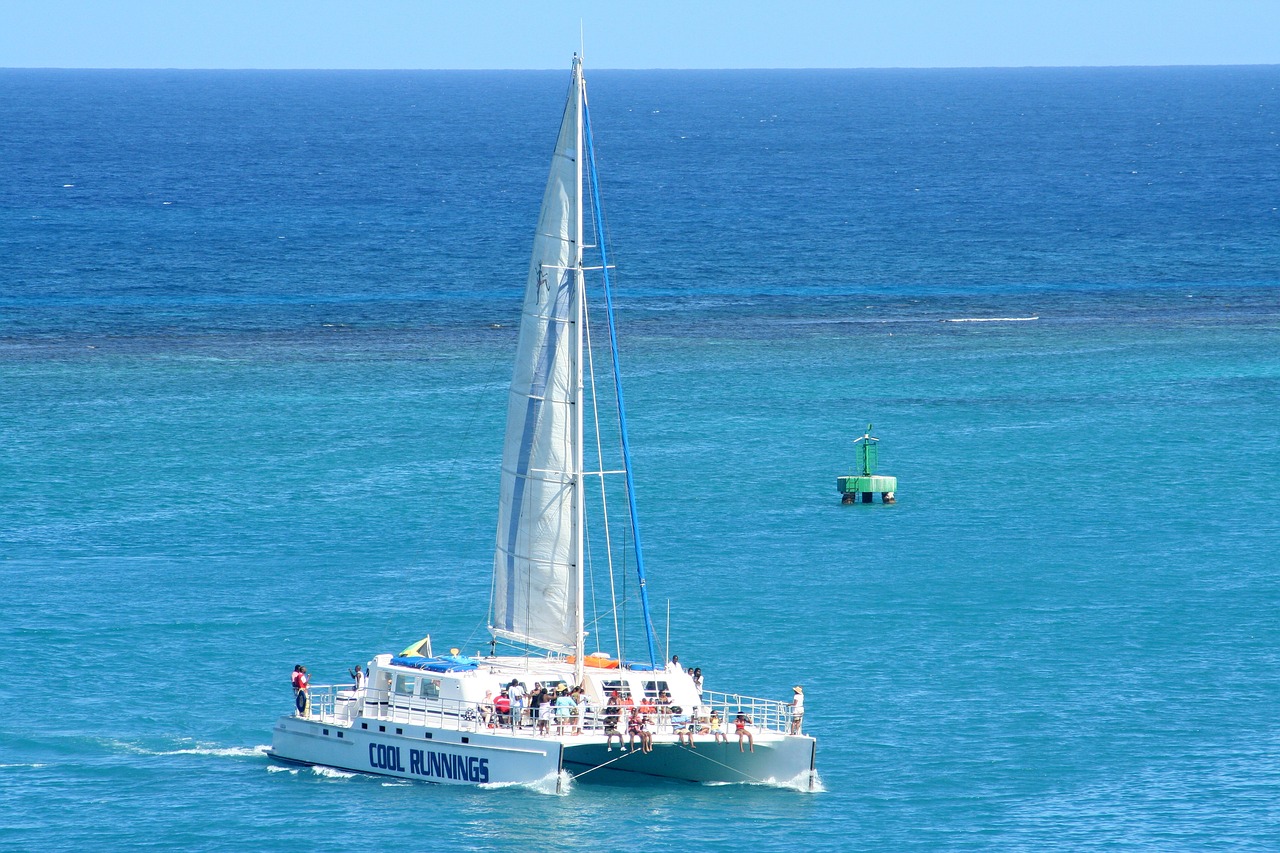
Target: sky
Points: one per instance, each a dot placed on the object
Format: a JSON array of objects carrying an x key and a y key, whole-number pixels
[{"x": 536, "y": 34}]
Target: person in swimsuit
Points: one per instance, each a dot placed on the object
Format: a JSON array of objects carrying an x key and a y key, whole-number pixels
[
  {"x": 740, "y": 724},
  {"x": 635, "y": 729}
]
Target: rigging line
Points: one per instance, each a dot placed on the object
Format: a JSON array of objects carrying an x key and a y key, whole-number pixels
[
  {"x": 727, "y": 767},
  {"x": 604, "y": 492},
  {"x": 598, "y": 215},
  {"x": 625, "y": 753}
]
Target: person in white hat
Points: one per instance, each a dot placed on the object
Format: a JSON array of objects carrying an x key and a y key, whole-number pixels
[{"x": 797, "y": 709}]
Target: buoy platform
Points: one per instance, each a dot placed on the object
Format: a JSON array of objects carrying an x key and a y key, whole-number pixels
[{"x": 868, "y": 483}]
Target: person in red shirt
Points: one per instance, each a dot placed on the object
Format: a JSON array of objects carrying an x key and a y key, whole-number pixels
[
  {"x": 301, "y": 681},
  {"x": 503, "y": 706}
]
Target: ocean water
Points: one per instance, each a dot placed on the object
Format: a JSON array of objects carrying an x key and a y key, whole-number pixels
[{"x": 255, "y": 336}]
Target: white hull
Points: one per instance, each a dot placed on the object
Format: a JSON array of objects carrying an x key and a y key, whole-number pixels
[
  {"x": 453, "y": 757},
  {"x": 444, "y": 756}
]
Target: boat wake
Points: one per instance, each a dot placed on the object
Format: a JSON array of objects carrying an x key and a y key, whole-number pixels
[
  {"x": 220, "y": 752},
  {"x": 317, "y": 770},
  {"x": 196, "y": 748},
  {"x": 990, "y": 319},
  {"x": 553, "y": 784},
  {"x": 331, "y": 773},
  {"x": 806, "y": 783}
]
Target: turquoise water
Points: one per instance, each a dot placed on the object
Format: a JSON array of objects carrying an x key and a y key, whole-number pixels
[{"x": 253, "y": 368}]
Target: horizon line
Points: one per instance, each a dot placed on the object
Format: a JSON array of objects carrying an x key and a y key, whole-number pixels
[{"x": 650, "y": 68}]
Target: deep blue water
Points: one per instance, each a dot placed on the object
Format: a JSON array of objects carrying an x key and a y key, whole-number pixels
[{"x": 255, "y": 335}]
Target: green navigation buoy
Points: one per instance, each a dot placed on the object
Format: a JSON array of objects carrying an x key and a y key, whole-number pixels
[{"x": 868, "y": 482}]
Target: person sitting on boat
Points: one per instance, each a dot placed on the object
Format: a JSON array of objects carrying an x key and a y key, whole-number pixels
[
  {"x": 486, "y": 710},
  {"x": 797, "y": 709},
  {"x": 716, "y": 726},
  {"x": 646, "y": 734},
  {"x": 635, "y": 729},
  {"x": 740, "y": 724},
  {"x": 664, "y": 709},
  {"x": 611, "y": 713},
  {"x": 686, "y": 727},
  {"x": 502, "y": 704}
]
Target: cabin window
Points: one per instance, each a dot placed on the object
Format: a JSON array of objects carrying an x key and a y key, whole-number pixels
[
  {"x": 404, "y": 684},
  {"x": 653, "y": 688},
  {"x": 623, "y": 688},
  {"x": 430, "y": 688}
]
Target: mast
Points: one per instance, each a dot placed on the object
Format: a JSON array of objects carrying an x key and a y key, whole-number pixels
[
  {"x": 579, "y": 487},
  {"x": 598, "y": 213}
]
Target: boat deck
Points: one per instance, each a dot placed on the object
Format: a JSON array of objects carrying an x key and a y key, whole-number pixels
[{"x": 342, "y": 706}]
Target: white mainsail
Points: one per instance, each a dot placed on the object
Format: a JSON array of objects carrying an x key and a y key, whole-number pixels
[{"x": 536, "y": 579}]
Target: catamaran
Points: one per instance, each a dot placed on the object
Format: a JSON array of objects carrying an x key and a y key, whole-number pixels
[{"x": 551, "y": 710}]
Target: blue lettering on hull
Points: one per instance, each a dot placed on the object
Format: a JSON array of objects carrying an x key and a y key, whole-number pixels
[
  {"x": 383, "y": 757},
  {"x": 430, "y": 764}
]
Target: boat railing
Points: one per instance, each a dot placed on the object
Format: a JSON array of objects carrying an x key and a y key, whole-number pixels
[
  {"x": 341, "y": 704},
  {"x": 766, "y": 714}
]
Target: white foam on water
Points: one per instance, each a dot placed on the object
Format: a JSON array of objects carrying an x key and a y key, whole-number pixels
[
  {"x": 331, "y": 773},
  {"x": 554, "y": 784},
  {"x": 201, "y": 749},
  {"x": 991, "y": 319},
  {"x": 806, "y": 782},
  {"x": 276, "y": 768},
  {"x": 220, "y": 751}
]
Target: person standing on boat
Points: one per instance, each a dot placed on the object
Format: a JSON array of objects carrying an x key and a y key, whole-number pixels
[
  {"x": 516, "y": 691},
  {"x": 359, "y": 675},
  {"x": 566, "y": 710},
  {"x": 797, "y": 709},
  {"x": 675, "y": 666},
  {"x": 579, "y": 714},
  {"x": 546, "y": 711},
  {"x": 301, "y": 681}
]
